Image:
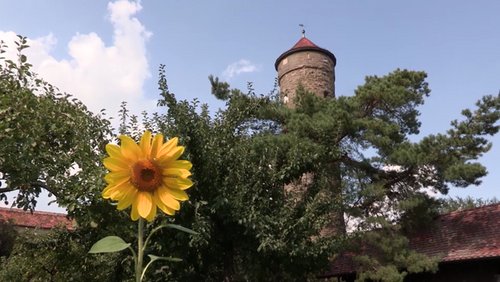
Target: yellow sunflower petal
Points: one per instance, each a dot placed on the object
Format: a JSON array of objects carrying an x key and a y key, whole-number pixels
[
  {"x": 177, "y": 183},
  {"x": 145, "y": 143},
  {"x": 167, "y": 147},
  {"x": 117, "y": 176},
  {"x": 167, "y": 199},
  {"x": 113, "y": 164},
  {"x": 174, "y": 154},
  {"x": 119, "y": 193},
  {"x": 130, "y": 149},
  {"x": 111, "y": 190},
  {"x": 156, "y": 146},
  {"x": 180, "y": 195},
  {"x": 183, "y": 164},
  {"x": 113, "y": 150},
  {"x": 108, "y": 191},
  {"x": 152, "y": 213},
  {"x": 176, "y": 172},
  {"x": 162, "y": 206},
  {"x": 134, "y": 214},
  {"x": 144, "y": 203},
  {"x": 127, "y": 199}
]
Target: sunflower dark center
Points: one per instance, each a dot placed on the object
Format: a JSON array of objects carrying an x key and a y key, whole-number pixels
[{"x": 146, "y": 175}]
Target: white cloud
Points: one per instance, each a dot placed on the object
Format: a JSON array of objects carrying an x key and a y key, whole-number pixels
[
  {"x": 100, "y": 76},
  {"x": 236, "y": 68}
]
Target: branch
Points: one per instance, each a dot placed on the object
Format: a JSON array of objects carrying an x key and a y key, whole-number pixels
[
  {"x": 8, "y": 189},
  {"x": 364, "y": 166}
]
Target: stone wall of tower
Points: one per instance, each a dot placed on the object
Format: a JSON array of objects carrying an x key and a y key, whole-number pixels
[{"x": 312, "y": 69}]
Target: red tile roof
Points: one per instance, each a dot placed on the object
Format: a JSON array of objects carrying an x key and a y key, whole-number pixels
[
  {"x": 37, "y": 219},
  {"x": 304, "y": 44},
  {"x": 462, "y": 235},
  {"x": 457, "y": 236}
]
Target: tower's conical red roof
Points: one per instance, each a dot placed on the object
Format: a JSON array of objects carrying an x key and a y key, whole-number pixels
[{"x": 304, "y": 44}]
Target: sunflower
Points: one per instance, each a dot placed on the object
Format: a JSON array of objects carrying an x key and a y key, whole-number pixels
[{"x": 147, "y": 175}]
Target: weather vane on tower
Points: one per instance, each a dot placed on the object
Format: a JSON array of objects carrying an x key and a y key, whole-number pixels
[{"x": 303, "y": 30}]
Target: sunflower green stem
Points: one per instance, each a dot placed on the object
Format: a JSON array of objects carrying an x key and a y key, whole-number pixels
[{"x": 140, "y": 250}]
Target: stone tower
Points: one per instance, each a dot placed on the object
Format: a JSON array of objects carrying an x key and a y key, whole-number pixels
[
  {"x": 312, "y": 67},
  {"x": 308, "y": 65}
]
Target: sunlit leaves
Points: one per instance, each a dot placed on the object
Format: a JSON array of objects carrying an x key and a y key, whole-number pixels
[{"x": 48, "y": 140}]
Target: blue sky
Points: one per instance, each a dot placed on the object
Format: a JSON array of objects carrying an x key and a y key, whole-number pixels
[{"x": 104, "y": 53}]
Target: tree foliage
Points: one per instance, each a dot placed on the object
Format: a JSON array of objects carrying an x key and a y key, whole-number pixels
[
  {"x": 453, "y": 204},
  {"x": 278, "y": 192},
  {"x": 51, "y": 141},
  {"x": 48, "y": 140},
  {"x": 60, "y": 255},
  {"x": 7, "y": 238}
]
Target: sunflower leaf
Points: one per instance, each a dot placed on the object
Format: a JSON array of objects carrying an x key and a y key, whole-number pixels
[
  {"x": 109, "y": 244},
  {"x": 153, "y": 258},
  {"x": 181, "y": 228}
]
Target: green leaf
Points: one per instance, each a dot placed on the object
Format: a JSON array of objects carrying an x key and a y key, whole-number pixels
[
  {"x": 154, "y": 258},
  {"x": 181, "y": 228},
  {"x": 109, "y": 244}
]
